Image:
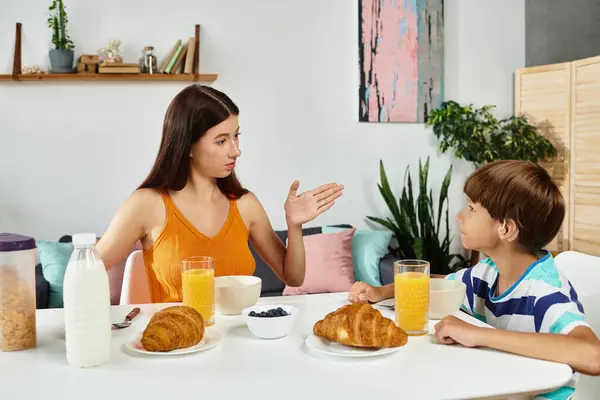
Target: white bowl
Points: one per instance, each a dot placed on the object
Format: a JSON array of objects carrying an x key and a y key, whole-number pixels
[
  {"x": 445, "y": 297},
  {"x": 235, "y": 292},
  {"x": 270, "y": 327}
]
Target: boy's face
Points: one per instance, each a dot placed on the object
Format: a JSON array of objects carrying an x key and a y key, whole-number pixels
[{"x": 478, "y": 230}]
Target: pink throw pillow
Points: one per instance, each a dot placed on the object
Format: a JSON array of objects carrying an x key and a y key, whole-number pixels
[{"x": 329, "y": 266}]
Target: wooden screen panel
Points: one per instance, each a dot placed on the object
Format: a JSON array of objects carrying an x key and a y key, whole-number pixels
[
  {"x": 543, "y": 94},
  {"x": 585, "y": 142}
]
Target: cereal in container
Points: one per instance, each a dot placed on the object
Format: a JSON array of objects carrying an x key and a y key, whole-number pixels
[{"x": 17, "y": 292}]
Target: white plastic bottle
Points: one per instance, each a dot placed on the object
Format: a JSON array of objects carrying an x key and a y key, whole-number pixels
[{"x": 86, "y": 296}]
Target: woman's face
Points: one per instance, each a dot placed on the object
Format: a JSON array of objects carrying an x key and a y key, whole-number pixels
[{"x": 215, "y": 153}]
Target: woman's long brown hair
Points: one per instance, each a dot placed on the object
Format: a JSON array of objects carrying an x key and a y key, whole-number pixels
[{"x": 191, "y": 113}]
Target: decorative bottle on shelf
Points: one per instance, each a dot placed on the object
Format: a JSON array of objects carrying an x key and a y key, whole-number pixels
[
  {"x": 86, "y": 296},
  {"x": 148, "y": 61}
]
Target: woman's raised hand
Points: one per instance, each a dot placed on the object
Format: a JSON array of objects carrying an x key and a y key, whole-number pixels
[{"x": 300, "y": 209}]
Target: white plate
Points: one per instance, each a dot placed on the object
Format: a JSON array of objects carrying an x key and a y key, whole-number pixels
[
  {"x": 336, "y": 349},
  {"x": 211, "y": 338}
]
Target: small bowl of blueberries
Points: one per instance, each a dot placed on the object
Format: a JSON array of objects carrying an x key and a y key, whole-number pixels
[{"x": 270, "y": 321}]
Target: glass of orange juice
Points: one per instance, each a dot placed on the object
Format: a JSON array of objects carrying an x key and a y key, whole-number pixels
[
  {"x": 411, "y": 291},
  {"x": 198, "y": 286}
]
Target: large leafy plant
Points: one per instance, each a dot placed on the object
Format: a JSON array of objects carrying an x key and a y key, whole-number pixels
[
  {"x": 477, "y": 136},
  {"x": 57, "y": 21},
  {"x": 416, "y": 222}
]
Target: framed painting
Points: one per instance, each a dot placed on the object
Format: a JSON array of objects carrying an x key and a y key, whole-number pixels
[{"x": 401, "y": 59}]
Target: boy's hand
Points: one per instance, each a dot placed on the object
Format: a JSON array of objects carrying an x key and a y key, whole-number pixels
[
  {"x": 362, "y": 293},
  {"x": 452, "y": 330}
]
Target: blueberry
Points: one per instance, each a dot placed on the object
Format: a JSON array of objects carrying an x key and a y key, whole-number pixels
[
  {"x": 284, "y": 313},
  {"x": 279, "y": 309},
  {"x": 252, "y": 314},
  {"x": 263, "y": 314}
]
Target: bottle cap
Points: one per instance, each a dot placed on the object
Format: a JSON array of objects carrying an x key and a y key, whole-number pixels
[{"x": 84, "y": 239}]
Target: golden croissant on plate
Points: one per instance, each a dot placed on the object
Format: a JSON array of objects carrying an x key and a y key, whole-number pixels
[
  {"x": 175, "y": 327},
  {"x": 360, "y": 325}
]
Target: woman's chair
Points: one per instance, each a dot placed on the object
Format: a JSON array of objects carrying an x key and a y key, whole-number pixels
[
  {"x": 135, "y": 283},
  {"x": 583, "y": 271}
]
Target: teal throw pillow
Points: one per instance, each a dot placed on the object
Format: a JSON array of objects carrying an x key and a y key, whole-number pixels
[
  {"x": 368, "y": 248},
  {"x": 54, "y": 257}
]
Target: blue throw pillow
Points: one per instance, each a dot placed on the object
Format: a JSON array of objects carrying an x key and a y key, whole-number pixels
[
  {"x": 368, "y": 248},
  {"x": 54, "y": 257}
]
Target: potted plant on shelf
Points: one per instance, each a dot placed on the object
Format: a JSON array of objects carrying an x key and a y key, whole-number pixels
[
  {"x": 477, "y": 136},
  {"x": 414, "y": 222},
  {"x": 62, "y": 55}
]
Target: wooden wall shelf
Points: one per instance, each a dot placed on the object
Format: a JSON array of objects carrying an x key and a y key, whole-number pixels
[
  {"x": 158, "y": 77},
  {"x": 111, "y": 77}
]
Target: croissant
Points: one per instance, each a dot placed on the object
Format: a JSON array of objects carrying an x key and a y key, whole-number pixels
[
  {"x": 360, "y": 325},
  {"x": 175, "y": 327}
]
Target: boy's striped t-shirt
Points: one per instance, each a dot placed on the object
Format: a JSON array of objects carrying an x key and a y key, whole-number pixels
[{"x": 542, "y": 301}]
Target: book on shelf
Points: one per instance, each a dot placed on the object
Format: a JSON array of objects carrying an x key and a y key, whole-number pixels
[
  {"x": 189, "y": 58},
  {"x": 118, "y": 68},
  {"x": 173, "y": 59},
  {"x": 181, "y": 58},
  {"x": 168, "y": 58}
]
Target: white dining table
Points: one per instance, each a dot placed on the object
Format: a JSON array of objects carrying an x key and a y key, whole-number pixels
[{"x": 242, "y": 366}]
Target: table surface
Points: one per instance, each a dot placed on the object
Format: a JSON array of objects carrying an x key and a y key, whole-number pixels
[{"x": 242, "y": 366}]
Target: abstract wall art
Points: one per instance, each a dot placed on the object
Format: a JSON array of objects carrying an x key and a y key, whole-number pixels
[{"x": 401, "y": 59}]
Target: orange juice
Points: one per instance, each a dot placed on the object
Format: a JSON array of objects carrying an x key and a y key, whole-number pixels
[
  {"x": 198, "y": 287},
  {"x": 412, "y": 302}
]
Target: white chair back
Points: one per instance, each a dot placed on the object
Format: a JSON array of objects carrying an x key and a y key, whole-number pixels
[
  {"x": 135, "y": 283},
  {"x": 583, "y": 271}
]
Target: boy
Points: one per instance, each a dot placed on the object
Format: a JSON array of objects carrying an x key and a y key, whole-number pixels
[{"x": 514, "y": 210}]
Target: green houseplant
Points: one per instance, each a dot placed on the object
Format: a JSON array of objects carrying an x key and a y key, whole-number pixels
[
  {"x": 477, "y": 136},
  {"x": 62, "y": 55},
  {"x": 416, "y": 222}
]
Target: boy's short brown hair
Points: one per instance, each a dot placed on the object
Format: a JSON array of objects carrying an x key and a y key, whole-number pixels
[{"x": 524, "y": 192}]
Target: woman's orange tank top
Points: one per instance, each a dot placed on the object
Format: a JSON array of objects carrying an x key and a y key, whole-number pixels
[{"x": 180, "y": 239}]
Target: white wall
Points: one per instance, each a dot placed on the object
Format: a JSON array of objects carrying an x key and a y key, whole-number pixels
[{"x": 291, "y": 65}]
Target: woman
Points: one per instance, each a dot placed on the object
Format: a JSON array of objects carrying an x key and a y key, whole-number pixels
[{"x": 192, "y": 204}]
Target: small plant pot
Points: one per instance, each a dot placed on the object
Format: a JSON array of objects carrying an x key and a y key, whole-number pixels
[{"x": 61, "y": 60}]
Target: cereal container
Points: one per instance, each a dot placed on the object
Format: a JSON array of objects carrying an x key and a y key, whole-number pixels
[{"x": 17, "y": 292}]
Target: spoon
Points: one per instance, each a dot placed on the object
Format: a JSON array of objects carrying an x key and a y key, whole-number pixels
[{"x": 127, "y": 322}]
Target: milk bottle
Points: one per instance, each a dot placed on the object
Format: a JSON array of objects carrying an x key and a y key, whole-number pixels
[{"x": 86, "y": 297}]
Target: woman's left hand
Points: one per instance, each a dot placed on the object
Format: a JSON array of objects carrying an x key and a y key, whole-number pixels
[{"x": 300, "y": 209}]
